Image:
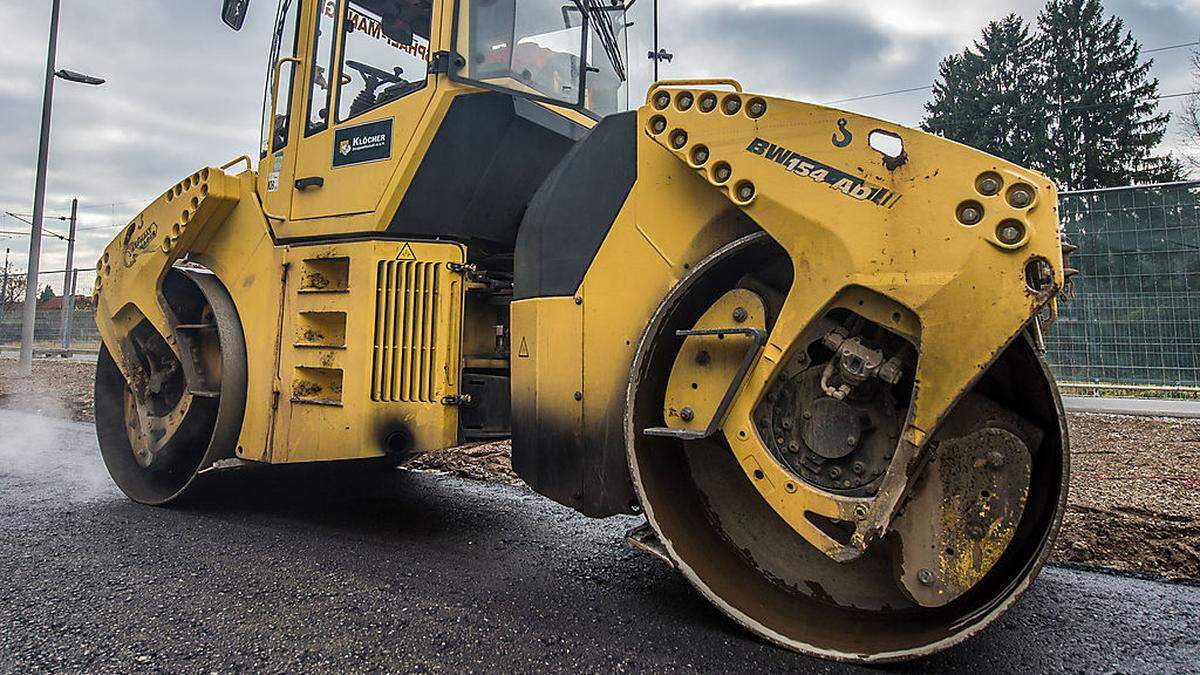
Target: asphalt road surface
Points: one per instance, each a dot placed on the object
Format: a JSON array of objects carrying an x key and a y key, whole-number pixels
[{"x": 415, "y": 572}]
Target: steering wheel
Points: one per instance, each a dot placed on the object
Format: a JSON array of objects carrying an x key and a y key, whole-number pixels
[
  {"x": 372, "y": 78},
  {"x": 377, "y": 74}
]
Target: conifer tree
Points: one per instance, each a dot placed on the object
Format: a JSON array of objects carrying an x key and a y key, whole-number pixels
[
  {"x": 982, "y": 90},
  {"x": 1101, "y": 103},
  {"x": 1075, "y": 101}
]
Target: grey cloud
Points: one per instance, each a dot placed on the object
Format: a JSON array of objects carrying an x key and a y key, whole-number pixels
[{"x": 184, "y": 91}]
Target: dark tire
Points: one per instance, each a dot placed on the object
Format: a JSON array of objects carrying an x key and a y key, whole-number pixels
[{"x": 209, "y": 430}]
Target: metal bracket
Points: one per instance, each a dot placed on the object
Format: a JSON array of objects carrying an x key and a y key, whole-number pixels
[
  {"x": 472, "y": 273},
  {"x": 440, "y": 63},
  {"x": 457, "y": 399},
  {"x": 760, "y": 338}
]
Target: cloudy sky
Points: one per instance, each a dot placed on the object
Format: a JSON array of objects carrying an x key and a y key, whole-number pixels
[{"x": 183, "y": 91}]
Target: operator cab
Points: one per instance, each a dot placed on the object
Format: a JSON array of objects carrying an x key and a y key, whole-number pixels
[{"x": 357, "y": 91}]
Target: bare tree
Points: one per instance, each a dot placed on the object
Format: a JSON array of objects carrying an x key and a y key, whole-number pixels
[
  {"x": 12, "y": 286},
  {"x": 1189, "y": 119}
]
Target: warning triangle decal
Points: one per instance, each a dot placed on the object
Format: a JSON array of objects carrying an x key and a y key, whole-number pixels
[
  {"x": 406, "y": 253},
  {"x": 523, "y": 352}
]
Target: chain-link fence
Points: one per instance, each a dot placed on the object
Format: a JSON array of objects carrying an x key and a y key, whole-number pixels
[
  {"x": 48, "y": 323},
  {"x": 1134, "y": 320}
]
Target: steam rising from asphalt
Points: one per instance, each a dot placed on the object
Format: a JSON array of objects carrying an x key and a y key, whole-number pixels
[{"x": 58, "y": 459}]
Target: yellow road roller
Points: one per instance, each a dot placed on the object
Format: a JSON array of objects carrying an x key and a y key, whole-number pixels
[{"x": 804, "y": 343}]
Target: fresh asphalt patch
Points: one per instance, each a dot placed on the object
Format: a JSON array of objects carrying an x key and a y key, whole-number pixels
[{"x": 341, "y": 570}]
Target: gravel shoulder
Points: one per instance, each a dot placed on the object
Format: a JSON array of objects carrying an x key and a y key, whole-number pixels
[{"x": 1135, "y": 481}]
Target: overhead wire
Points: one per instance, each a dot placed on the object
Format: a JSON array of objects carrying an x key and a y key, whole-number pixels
[
  {"x": 988, "y": 118},
  {"x": 927, "y": 87}
]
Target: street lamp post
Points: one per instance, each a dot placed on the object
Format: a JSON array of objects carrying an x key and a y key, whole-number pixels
[{"x": 29, "y": 313}]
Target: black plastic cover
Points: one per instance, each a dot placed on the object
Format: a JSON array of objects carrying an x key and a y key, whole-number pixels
[
  {"x": 571, "y": 214},
  {"x": 486, "y": 161}
]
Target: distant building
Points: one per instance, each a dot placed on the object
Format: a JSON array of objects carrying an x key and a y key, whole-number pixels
[{"x": 56, "y": 303}]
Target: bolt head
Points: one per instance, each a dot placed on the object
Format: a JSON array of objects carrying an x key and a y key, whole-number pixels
[
  {"x": 733, "y": 104},
  {"x": 988, "y": 185},
  {"x": 740, "y": 314},
  {"x": 970, "y": 215},
  {"x": 659, "y": 126},
  {"x": 662, "y": 100},
  {"x": 685, "y": 101},
  {"x": 722, "y": 173},
  {"x": 858, "y": 467},
  {"x": 835, "y": 473},
  {"x": 1010, "y": 234},
  {"x": 687, "y": 415},
  {"x": 1020, "y": 197},
  {"x": 925, "y": 577},
  {"x": 700, "y": 156},
  {"x": 745, "y": 192},
  {"x": 852, "y": 441},
  {"x": 757, "y": 108},
  {"x": 678, "y": 140}
]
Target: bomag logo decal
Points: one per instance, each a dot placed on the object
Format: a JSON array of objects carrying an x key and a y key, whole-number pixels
[
  {"x": 138, "y": 240},
  {"x": 806, "y": 167}
]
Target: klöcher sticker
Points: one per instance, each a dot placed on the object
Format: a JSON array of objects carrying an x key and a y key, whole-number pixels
[{"x": 370, "y": 142}]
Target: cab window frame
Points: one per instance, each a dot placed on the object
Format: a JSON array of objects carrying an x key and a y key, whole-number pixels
[
  {"x": 578, "y": 104},
  {"x": 267, "y": 144},
  {"x": 330, "y": 76},
  {"x": 339, "y": 56}
]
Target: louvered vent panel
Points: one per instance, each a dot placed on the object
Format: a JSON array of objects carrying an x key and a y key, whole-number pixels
[{"x": 406, "y": 309}]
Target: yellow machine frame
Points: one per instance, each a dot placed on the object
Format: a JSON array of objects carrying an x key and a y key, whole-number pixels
[{"x": 358, "y": 334}]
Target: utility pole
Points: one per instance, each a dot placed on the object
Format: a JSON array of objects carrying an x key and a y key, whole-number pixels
[
  {"x": 68, "y": 279},
  {"x": 29, "y": 315},
  {"x": 4, "y": 291},
  {"x": 70, "y": 311}
]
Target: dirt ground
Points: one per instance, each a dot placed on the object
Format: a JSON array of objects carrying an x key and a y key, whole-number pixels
[{"x": 1135, "y": 482}]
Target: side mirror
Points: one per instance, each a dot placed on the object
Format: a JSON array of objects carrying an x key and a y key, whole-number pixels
[{"x": 233, "y": 13}]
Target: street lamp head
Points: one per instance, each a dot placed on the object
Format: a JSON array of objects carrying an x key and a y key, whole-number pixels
[{"x": 72, "y": 76}]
